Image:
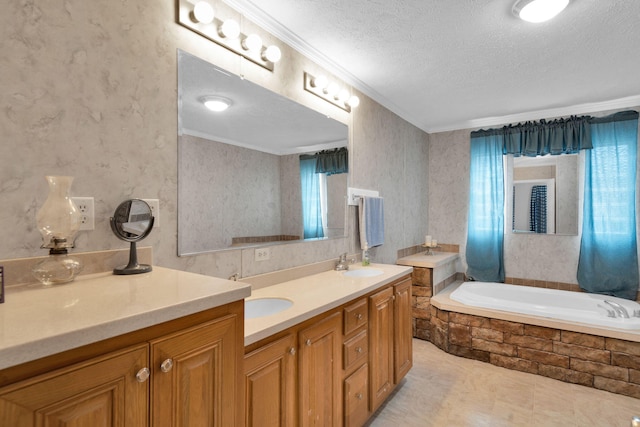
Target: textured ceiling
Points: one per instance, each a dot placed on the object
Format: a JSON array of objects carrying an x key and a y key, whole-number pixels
[{"x": 452, "y": 64}]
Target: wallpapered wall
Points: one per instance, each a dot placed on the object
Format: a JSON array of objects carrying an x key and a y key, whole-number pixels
[{"x": 89, "y": 89}]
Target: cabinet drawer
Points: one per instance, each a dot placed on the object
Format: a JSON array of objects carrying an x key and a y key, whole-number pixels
[
  {"x": 355, "y": 350},
  {"x": 356, "y": 397},
  {"x": 355, "y": 316}
]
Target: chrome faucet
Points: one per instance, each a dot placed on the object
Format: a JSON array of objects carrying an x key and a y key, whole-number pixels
[
  {"x": 342, "y": 264},
  {"x": 622, "y": 312}
]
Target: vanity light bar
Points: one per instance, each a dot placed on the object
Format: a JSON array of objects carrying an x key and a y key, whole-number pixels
[
  {"x": 200, "y": 17},
  {"x": 330, "y": 92}
]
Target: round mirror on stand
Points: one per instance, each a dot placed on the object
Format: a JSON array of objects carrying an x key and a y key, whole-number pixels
[{"x": 132, "y": 222}]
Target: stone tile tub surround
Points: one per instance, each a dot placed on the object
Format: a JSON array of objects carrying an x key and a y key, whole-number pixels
[{"x": 570, "y": 352}]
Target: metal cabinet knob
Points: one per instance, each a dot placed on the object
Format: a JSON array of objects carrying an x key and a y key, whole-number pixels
[
  {"x": 166, "y": 365},
  {"x": 359, "y": 316},
  {"x": 308, "y": 342},
  {"x": 143, "y": 375},
  {"x": 358, "y": 349},
  {"x": 359, "y": 396},
  {"x": 292, "y": 351}
]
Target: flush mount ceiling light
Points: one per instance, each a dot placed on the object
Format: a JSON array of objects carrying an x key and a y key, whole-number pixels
[
  {"x": 201, "y": 18},
  {"x": 538, "y": 10},
  {"x": 330, "y": 92},
  {"x": 216, "y": 103}
]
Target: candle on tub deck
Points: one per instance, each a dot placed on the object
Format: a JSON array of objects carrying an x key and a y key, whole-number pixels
[
  {"x": 427, "y": 240},
  {"x": 434, "y": 242}
]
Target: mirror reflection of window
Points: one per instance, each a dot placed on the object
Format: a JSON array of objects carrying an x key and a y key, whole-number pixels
[
  {"x": 534, "y": 206},
  {"x": 559, "y": 176},
  {"x": 238, "y": 172}
]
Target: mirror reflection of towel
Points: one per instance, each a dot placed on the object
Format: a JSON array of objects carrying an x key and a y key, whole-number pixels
[{"x": 371, "y": 219}]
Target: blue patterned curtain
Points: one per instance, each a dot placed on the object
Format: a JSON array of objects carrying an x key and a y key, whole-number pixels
[
  {"x": 484, "y": 252},
  {"x": 608, "y": 261},
  {"x": 311, "y": 201},
  {"x": 538, "y": 209}
]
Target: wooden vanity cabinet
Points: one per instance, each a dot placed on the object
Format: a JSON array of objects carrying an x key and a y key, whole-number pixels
[
  {"x": 390, "y": 342},
  {"x": 100, "y": 392},
  {"x": 403, "y": 330},
  {"x": 194, "y": 376},
  {"x": 334, "y": 369},
  {"x": 320, "y": 372},
  {"x": 356, "y": 368},
  {"x": 182, "y": 372},
  {"x": 270, "y": 384}
]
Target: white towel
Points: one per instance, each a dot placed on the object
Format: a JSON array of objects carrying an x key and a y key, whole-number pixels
[{"x": 371, "y": 221}]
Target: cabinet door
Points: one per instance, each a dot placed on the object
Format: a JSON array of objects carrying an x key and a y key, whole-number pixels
[
  {"x": 270, "y": 384},
  {"x": 381, "y": 346},
  {"x": 195, "y": 377},
  {"x": 403, "y": 330},
  {"x": 101, "y": 392},
  {"x": 320, "y": 373},
  {"x": 356, "y": 391}
]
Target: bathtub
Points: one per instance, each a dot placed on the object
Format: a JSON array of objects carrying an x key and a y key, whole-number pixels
[{"x": 550, "y": 303}]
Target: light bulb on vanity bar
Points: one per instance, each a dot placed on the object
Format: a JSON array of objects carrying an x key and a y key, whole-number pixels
[{"x": 202, "y": 13}]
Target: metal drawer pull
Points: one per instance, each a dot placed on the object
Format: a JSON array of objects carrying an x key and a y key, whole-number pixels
[
  {"x": 308, "y": 342},
  {"x": 143, "y": 375},
  {"x": 166, "y": 365},
  {"x": 359, "y": 316},
  {"x": 292, "y": 351},
  {"x": 358, "y": 349},
  {"x": 359, "y": 396}
]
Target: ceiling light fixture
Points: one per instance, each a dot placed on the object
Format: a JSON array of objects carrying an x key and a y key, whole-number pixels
[
  {"x": 330, "y": 92},
  {"x": 538, "y": 10},
  {"x": 216, "y": 103},
  {"x": 200, "y": 17}
]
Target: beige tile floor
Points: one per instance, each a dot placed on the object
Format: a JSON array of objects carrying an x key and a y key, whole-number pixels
[{"x": 445, "y": 390}]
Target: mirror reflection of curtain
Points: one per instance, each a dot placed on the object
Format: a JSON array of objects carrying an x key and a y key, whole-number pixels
[
  {"x": 538, "y": 209},
  {"x": 314, "y": 169},
  {"x": 608, "y": 262},
  {"x": 333, "y": 162},
  {"x": 311, "y": 198}
]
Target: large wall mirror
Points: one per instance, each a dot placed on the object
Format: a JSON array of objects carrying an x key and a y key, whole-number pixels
[
  {"x": 238, "y": 170},
  {"x": 545, "y": 194}
]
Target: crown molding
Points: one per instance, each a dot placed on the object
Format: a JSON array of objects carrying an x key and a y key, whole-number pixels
[
  {"x": 593, "y": 107},
  {"x": 259, "y": 17}
]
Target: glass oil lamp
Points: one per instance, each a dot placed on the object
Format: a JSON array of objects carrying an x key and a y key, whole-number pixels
[{"x": 58, "y": 221}]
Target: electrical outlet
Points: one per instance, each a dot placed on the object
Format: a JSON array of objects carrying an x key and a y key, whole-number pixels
[
  {"x": 87, "y": 212},
  {"x": 154, "y": 204},
  {"x": 262, "y": 254}
]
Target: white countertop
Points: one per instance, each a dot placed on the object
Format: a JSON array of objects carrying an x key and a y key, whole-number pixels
[
  {"x": 313, "y": 295},
  {"x": 428, "y": 261},
  {"x": 38, "y": 321}
]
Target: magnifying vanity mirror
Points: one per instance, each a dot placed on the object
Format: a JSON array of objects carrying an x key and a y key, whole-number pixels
[
  {"x": 132, "y": 222},
  {"x": 239, "y": 181}
]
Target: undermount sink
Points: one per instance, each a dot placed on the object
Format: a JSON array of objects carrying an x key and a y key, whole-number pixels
[
  {"x": 261, "y": 307},
  {"x": 363, "y": 272}
]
